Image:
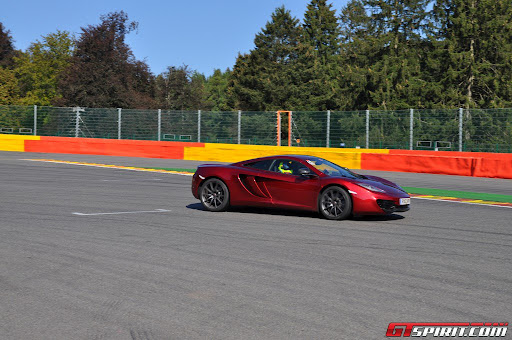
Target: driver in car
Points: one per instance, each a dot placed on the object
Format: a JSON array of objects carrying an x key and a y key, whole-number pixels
[{"x": 284, "y": 168}]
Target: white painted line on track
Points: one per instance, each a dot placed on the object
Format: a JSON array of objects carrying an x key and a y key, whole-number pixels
[
  {"x": 122, "y": 212},
  {"x": 449, "y": 201}
]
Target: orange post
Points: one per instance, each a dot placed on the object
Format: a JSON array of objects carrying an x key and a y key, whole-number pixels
[
  {"x": 289, "y": 127},
  {"x": 278, "y": 128}
]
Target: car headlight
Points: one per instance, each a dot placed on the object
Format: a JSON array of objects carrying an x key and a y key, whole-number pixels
[{"x": 370, "y": 187}]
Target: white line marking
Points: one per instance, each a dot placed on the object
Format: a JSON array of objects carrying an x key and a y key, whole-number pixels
[
  {"x": 485, "y": 205},
  {"x": 123, "y": 212}
]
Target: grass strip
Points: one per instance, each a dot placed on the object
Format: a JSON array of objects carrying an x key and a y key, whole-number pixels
[{"x": 460, "y": 194}]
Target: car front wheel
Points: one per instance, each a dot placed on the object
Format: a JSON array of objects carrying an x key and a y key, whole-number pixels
[
  {"x": 334, "y": 203},
  {"x": 214, "y": 195}
]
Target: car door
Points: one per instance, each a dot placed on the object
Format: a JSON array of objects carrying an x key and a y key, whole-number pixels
[
  {"x": 289, "y": 189},
  {"x": 252, "y": 179}
]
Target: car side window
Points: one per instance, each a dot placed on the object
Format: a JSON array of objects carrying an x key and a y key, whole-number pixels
[
  {"x": 260, "y": 165},
  {"x": 286, "y": 166}
]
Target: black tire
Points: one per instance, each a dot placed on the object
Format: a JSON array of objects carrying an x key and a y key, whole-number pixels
[
  {"x": 214, "y": 195},
  {"x": 335, "y": 203}
]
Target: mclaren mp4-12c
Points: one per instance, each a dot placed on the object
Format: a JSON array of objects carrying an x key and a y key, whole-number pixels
[{"x": 297, "y": 182}]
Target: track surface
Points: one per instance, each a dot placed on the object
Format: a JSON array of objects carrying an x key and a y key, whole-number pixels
[{"x": 246, "y": 274}]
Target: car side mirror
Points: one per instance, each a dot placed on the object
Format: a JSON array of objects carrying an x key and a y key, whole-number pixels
[{"x": 305, "y": 172}]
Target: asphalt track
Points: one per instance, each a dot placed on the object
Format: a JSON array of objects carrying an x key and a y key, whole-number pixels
[{"x": 183, "y": 273}]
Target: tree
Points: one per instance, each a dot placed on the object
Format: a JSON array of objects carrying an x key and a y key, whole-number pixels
[
  {"x": 357, "y": 53},
  {"x": 7, "y": 52},
  {"x": 264, "y": 79},
  {"x": 317, "y": 67},
  {"x": 8, "y": 87},
  {"x": 473, "y": 52},
  {"x": 39, "y": 68},
  {"x": 103, "y": 71},
  {"x": 216, "y": 87},
  {"x": 180, "y": 88},
  {"x": 321, "y": 29},
  {"x": 385, "y": 43},
  {"x": 396, "y": 76}
]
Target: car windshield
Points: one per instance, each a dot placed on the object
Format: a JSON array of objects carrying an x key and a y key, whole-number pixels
[{"x": 331, "y": 169}]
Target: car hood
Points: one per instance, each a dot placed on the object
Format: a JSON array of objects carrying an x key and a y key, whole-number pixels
[{"x": 379, "y": 182}]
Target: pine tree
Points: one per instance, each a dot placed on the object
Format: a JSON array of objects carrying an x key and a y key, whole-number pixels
[
  {"x": 474, "y": 52},
  {"x": 321, "y": 29},
  {"x": 396, "y": 75},
  {"x": 264, "y": 79},
  {"x": 217, "y": 90},
  {"x": 358, "y": 52},
  {"x": 318, "y": 66}
]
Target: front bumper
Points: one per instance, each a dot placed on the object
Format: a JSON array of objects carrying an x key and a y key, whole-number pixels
[{"x": 391, "y": 206}]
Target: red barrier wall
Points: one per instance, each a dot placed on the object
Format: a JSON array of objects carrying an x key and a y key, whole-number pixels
[
  {"x": 478, "y": 164},
  {"x": 487, "y": 155},
  {"x": 461, "y": 166},
  {"x": 109, "y": 147},
  {"x": 494, "y": 167}
]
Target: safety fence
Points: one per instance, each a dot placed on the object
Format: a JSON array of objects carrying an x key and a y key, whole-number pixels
[{"x": 488, "y": 130}]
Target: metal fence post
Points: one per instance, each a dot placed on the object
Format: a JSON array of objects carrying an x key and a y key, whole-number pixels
[
  {"x": 119, "y": 123},
  {"x": 77, "y": 120},
  {"x": 411, "y": 134},
  {"x": 159, "y": 123},
  {"x": 328, "y": 134},
  {"x": 367, "y": 129},
  {"x": 461, "y": 111},
  {"x": 199, "y": 126},
  {"x": 239, "y": 126},
  {"x": 35, "y": 120}
]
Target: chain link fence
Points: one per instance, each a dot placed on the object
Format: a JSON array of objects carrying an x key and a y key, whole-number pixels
[{"x": 456, "y": 130}]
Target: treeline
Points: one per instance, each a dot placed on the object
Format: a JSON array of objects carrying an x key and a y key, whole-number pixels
[{"x": 372, "y": 54}]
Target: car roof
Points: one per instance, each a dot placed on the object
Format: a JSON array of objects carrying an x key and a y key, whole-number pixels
[{"x": 296, "y": 157}]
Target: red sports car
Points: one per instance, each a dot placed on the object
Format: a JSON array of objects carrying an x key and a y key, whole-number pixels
[{"x": 297, "y": 182}]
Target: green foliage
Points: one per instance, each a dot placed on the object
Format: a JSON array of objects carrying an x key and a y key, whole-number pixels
[
  {"x": 9, "y": 92},
  {"x": 318, "y": 66},
  {"x": 179, "y": 88},
  {"x": 474, "y": 49},
  {"x": 39, "y": 68},
  {"x": 384, "y": 45},
  {"x": 216, "y": 87},
  {"x": 263, "y": 80},
  {"x": 321, "y": 30},
  {"x": 8, "y": 87}
]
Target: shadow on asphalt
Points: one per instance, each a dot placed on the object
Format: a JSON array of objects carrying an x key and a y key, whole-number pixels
[{"x": 297, "y": 213}]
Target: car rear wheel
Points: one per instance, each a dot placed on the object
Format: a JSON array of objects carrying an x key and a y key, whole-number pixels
[
  {"x": 335, "y": 203},
  {"x": 214, "y": 195}
]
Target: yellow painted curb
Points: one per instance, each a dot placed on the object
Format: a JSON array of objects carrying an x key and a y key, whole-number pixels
[{"x": 15, "y": 142}]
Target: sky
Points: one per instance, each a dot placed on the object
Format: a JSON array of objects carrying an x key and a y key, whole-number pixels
[{"x": 203, "y": 34}]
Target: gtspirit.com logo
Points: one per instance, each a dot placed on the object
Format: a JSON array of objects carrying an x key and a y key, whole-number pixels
[{"x": 452, "y": 329}]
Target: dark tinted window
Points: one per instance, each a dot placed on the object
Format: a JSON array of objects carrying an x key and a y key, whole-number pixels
[
  {"x": 287, "y": 166},
  {"x": 261, "y": 165},
  {"x": 331, "y": 169}
]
